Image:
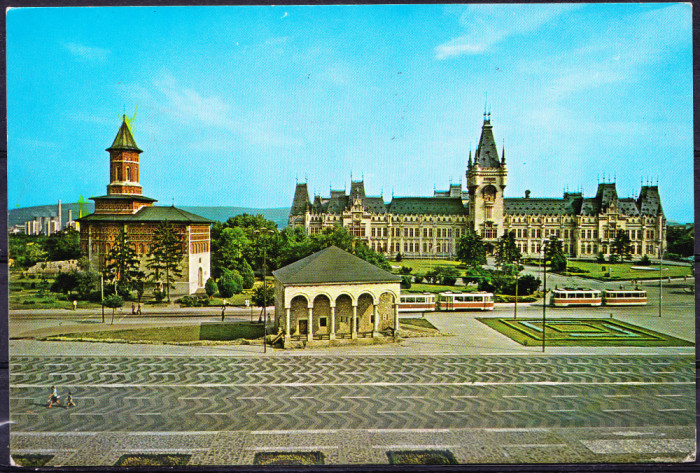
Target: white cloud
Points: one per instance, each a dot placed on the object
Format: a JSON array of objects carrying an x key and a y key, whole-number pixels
[
  {"x": 189, "y": 105},
  {"x": 487, "y": 25},
  {"x": 87, "y": 53},
  {"x": 621, "y": 53},
  {"x": 285, "y": 15}
]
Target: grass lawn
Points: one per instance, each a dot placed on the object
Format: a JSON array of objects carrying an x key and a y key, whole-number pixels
[
  {"x": 289, "y": 458},
  {"x": 625, "y": 271},
  {"x": 421, "y": 457},
  {"x": 31, "y": 460},
  {"x": 417, "y": 322},
  {"x": 436, "y": 288},
  {"x": 580, "y": 332},
  {"x": 187, "y": 333},
  {"x": 421, "y": 265},
  {"x": 150, "y": 459}
]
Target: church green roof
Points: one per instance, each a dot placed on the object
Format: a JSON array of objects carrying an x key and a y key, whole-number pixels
[
  {"x": 149, "y": 214},
  {"x": 333, "y": 265},
  {"x": 124, "y": 139}
]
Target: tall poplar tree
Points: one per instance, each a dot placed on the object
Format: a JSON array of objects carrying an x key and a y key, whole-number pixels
[
  {"x": 165, "y": 257},
  {"x": 471, "y": 250},
  {"x": 507, "y": 251}
]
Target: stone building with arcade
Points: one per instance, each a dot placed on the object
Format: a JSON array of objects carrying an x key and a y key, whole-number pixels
[
  {"x": 125, "y": 207},
  {"x": 430, "y": 227},
  {"x": 332, "y": 294}
]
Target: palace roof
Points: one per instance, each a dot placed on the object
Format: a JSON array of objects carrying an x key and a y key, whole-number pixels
[
  {"x": 149, "y": 214},
  {"x": 333, "y": 265},
  {"x": 486, "y": 153},
  {"x": 427, "y": 205}
]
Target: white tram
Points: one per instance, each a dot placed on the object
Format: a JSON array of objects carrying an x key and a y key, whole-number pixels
[
  {"x": 424, "y": 302},
  {"x": 566, "y": 297},
  {"x": 625, "y": 297},
  {"x": 465, "y": 300}
]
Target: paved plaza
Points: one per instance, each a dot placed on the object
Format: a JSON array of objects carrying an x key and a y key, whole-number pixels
[{"x": 473, "y": 391}]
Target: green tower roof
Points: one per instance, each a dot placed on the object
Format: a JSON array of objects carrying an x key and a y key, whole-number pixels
[{"x": 124, "y": 139}]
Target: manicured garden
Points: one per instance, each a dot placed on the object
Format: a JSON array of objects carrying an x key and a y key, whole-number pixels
[
  {"x": 623, "y": 271},
  {"x": 580, "y": 332}
]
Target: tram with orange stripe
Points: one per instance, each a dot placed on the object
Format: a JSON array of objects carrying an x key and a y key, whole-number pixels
[
  {"x": 576, "y": 297},
  {"x": 466, "y": 301},
  {"x": 624, "y": 297},
  {"x": 414, "y": 302}
]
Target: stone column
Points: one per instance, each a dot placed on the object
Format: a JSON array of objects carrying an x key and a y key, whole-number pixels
[
  {"x": 332, "y": 335},
  {"x": 354, "y": 321},
  {"x": 375, "y": 330},
  {"x": 288, "y": 327},
  {"x": 396, "y": 316},
  {"x": 310, "y": 336}
]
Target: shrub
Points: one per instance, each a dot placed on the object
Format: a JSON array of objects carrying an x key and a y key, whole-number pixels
[
  {"x": 247, "y": 275},
  {"x": 673, "y": 256},
  {"x": 645, "y": 261},
  {"x": 405, "y": 282},
  {"x": 558, "y": 262},
  {"x": 574, "y": 269},
  {"x": 600, "y": 258},
  {"x": 398, "y": 257},
  {"x": 405, "y": 270},
  {"x": 613, "y": 259},
  {"x": 230, "y": 283},
  {"x": 210, "y": 287},
  {"x": 159, "y": 295}
]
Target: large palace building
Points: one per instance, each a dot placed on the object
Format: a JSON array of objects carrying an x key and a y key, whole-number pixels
[
  {"x": 422, "y": 227},
  {"x": 126, "y": 207}
]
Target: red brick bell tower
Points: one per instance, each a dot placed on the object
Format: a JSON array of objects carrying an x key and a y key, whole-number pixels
[
  {"x": 124, "y": 193},
  {"x": 124, "y": 163}
]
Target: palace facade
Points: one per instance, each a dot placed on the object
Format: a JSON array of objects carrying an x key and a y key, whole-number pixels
[
  {"x": 429, "y": 227},
  {"x": 126, "y": 207}
]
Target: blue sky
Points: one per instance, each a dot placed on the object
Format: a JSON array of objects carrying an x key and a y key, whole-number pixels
[{"x": 237, "y": 103}]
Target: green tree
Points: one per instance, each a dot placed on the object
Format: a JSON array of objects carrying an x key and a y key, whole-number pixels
[
  {"x": 210, "y": 287},
  {"x": 230, "y": 283},
  {"x": 63, "y": 245},
  {"x": 165, "y": 257},
  {"x": 506, "y": 250},
  {"x": 554, "y": 252},
  {"x": 471, "y": 250},
  {"x": 123, "y": 265},
  {"x": 247, "y": 274},
  {"x": 113, "y": 301},
  {"x": 621, "y": 246},
  {"x": 263, "y": 295},
  {"x": 65, "y": 282},
  {"x": 229, "y": 249},
  {"x": 680, "y": 240}
]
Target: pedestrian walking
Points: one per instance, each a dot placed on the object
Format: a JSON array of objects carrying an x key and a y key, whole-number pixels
[
  {"x": 53, "y": 398},
  {"x": 133, "y": 309},
  {"x": 75, "y": 304},
  {"x": 223, "y": 310},
  {"x": 69, "y": 400},
  {"x": 138, "y": 309}
]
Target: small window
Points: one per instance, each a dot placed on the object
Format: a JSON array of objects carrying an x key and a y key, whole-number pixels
[{"x": 323, "y": 322}]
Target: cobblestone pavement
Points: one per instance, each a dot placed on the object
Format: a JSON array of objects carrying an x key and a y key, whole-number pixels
[{"x": 222, "y": 410}]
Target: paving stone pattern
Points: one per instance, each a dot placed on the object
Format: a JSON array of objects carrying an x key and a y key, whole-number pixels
[{"x": 353, "y": 409}]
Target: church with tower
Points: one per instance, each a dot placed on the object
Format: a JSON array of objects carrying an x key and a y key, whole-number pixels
[
  {"x": 125, "y": 207},
  {"x": 430, "y": 227}
]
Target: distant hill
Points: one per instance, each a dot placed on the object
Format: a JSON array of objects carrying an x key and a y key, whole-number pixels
[{"x": 21, "y": 215}]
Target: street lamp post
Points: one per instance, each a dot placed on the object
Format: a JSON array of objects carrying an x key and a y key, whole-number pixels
[
  {"x": 544, "y": 299},
  {"x": 517, "y": 273},
  {"x": 264, "y": 272}
]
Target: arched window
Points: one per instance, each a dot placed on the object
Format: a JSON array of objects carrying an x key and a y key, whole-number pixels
[
  {"x": 119, "y": 174},
  {"x": 128, "y": 173},
  {"x": 489, "y": 193}
]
